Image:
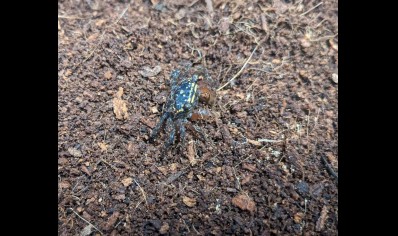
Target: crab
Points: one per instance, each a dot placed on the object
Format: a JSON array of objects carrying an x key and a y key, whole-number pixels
[{"x": 185, "y": 93}]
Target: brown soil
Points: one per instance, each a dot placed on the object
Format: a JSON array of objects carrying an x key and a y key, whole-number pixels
[{"x": 269, "y": 164}]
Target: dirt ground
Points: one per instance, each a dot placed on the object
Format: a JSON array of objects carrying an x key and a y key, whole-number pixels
[{"x": 269, "y": 163}]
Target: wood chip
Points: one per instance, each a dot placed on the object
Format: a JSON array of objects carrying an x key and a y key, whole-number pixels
[
  {"x": 120, "y": 106},
  {"x": 264, "y": 24},
  {"x": 191, "y": 153},
  {"x": 321, "y": 220}
]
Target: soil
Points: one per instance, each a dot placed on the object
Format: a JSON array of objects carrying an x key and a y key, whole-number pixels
[{"x": 269, "y": 163}]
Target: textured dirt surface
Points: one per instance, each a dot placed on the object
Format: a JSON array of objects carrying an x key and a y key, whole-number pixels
[{"x": 270, "y": 162}]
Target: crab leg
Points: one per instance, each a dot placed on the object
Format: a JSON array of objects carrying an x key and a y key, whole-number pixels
[
  {"x": 155, "y": 130},
  {"x": 171, "y": 129}
]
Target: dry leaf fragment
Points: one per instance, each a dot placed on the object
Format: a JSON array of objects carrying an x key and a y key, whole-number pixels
[
  {"x": 246, "y": 179},
  {"x": 172, "y": 168},
  {"x": 103, "y": 146},
  {"x": 64, "y": 185},
  {"x": 150, "y": 124},
  {"x": 244, "y": 202},
  {"x": 108, "y": 74},
  {"x": 127, "y": 181},
  {"x": 163, "y": 169},
  {"x": 201, "y": 178},
  {"x": 100, "y": 22},
  {"x": 164, "y": 229},
  {"x": 298, "y": 217},
  {"x": 189, "y": 201}
]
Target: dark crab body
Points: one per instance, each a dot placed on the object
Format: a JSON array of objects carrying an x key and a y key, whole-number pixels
[{"x": 183, "y": 99}]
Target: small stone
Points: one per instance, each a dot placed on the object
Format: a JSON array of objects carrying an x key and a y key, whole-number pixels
[{"x": 335, "y": 78}]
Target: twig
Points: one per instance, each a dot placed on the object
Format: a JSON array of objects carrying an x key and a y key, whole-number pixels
[
  {"x": 329, "y": 168},
  {"x": 118, "y": 224},
  {"x": 259, "y": 70},
  {"x": 242, "y": 161},
  {"x": 193, "y": 227},
  {"x": 193, "y": 3},
  {"x": 308, "y": 121},
  {"x": 185, "y": 223},
  {"x": 315, "y": 120},
  {"x": 84, "y": 189},
  {"x": 86, "y": 221},
  {"x": 193, "y": 50},
  {"x": 174, "y": 176},
  {"x": 219, "y": 73},
  {"x": 305, "y": 212},
  {"x": 241, "y": 70},
  {"x": 237, "y": 179},
  {"x": 121, "y": 15},
  {"x": 142, "y": 191},
  {"x": 311, "y": 9},
  {"x": 268, "y": 140},
  {"x": 248, "y": 32},
  {"x": 226, "y": 73},
  {"x": 138, "y": 204},
  {"x": 320, "y": 23}
]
